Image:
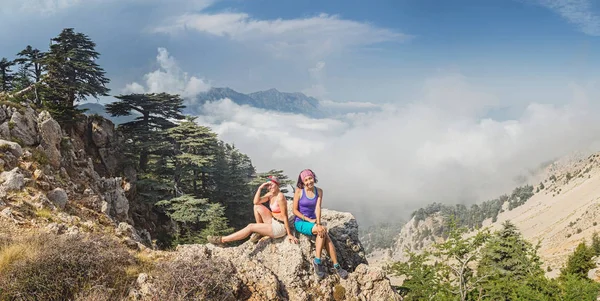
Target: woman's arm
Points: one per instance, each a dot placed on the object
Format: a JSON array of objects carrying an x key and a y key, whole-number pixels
[
  {"x": 283, "y": 205},
  {"x": 257, "y": 199},
  {"x": 318, "y": 207},
  {"x": 320, "y": 229}
]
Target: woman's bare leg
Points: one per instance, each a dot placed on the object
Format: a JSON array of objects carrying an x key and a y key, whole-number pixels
[
  {"x": 263, "y": 229},
  {"x": 330, "y": 249},
  {"x": 319, "y": 242},
  {"x": 262, "y": 214}
]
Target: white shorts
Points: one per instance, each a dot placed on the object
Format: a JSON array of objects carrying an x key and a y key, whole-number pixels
[{"x": 278, "y": 228}]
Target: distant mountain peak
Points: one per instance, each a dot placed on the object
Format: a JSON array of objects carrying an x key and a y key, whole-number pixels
[{"x": 271, "y": 99}]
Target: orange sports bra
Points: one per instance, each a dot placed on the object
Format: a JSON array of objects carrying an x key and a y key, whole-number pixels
[{"x": 275, "y": 207}]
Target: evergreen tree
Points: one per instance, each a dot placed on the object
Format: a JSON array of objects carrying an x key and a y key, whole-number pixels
[
  {"x": 193, "y": 214},
  {"x": 575, "y": 288},
  {"x": 283, "y": 180},
  {"x": 512, "y": 267},
  {"x": 31, "y": 59},
  {"x": 72, "y": 74},
  {"x": 423, "y": 280},
  {"x": 229, "y": 180},
  {"x": 6, "y": 76},
  {"x": 157, "y": 110},
  {"x": 194, "y": 149},
  {"x": 217, "y": 222},
  {"x": 579, "y": 263}
]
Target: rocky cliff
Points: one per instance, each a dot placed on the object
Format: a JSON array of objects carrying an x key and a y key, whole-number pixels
[
  {"x": 275, "y": 269},
  {"x": 63, "y": 183}
]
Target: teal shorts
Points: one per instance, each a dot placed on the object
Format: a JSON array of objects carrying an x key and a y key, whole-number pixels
[{"x": 304, "y": 227}]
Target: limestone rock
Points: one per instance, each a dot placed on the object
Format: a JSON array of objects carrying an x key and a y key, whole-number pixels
[
  {"x": 4, "y": 131},
  {"x": 102, "y": 132},
  {"x": 117, "y": 204},
  {"x": 58, "y": 197},
  {"x": 50, "y": 134},
  {"x": 3, "y": 115},
  {"x": 276, "y": 269},
  {"x": 24, "y": 127},
  {"x": 14, "y": 148},
  {"x": 11, "y": 181}
]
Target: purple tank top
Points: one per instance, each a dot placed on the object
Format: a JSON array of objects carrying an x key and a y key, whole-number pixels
[{"x": 307, "y": 206}]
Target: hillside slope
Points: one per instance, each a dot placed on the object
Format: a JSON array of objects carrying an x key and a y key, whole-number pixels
[
  {"x": 563, "y": 211},
  {"x": 562, "y": 214}
]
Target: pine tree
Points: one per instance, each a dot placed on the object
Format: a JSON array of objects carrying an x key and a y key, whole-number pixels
[
  {"x": 72, "y": 74},
  {"x": 31, "y": 58},
  {"x": 512, "y": 266},
  {"x": 6, "y": 76},
  {"x": 284, "y": 181},
  {"x": 229, "y": 179},
  {"x": 194, "y": 149},
  {"x": 575, "y": 288},
  {"x": 579, "y": 263},
  {"x": 157, "y": 110},
  {"x": 217, "y": 222},
  {"x": 193, "y": 214}
]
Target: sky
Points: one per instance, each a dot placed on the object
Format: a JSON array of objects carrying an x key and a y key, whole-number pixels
[{"x": 470, "y": 94}]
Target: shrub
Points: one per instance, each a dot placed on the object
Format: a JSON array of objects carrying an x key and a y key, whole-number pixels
[
  {"x": 51, "y": 267},
  {"x": 339, "y": 292},
  {"x": 39, "y": 156},
  {"x": 197, "y": 279}
]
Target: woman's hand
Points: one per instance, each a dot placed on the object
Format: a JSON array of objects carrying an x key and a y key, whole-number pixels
[
  {"x": 263, "y": 185},
  {"x": 292, "y": 238},
  {"x": 321, "y": 231}
]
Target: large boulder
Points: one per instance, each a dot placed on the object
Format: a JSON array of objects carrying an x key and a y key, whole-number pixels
[
  {"x": 13, "y": 147},
  {"x": 58, "y": 197},
  {"x": 23, "y": 126},
  {"x": 276, "y": 269},
  {"x": 51, "y": 134},
  {"x": 117, "y": 205},
  {"x": 11, "y": 180}
]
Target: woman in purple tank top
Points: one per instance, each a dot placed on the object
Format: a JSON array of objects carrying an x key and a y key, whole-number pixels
[{"x": 307, "y": 209}]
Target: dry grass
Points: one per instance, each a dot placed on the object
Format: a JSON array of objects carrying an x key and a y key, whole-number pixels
[
  {"x": 50, "y": 267},
  {"x": 197, "y": 279},
  {"x": 15, "y": 252},
  {"x": 44, "y": 213}
]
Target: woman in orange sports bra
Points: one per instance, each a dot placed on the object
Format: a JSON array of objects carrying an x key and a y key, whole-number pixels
[{"x": 273, "y": 223}]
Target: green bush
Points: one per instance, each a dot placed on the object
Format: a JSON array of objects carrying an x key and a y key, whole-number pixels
[{"x": 39, "y": 156}]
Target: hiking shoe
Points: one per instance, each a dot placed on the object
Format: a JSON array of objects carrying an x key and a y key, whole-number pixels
[
  {"x": 255, "y": 238},
  {"x": 343, "y": 273},
  {"x": 215, "y": 240},
  {"x": 319, "y": 269}
]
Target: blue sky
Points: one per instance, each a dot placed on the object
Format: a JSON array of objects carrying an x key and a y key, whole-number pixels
[{"x": 370, "y": 51}]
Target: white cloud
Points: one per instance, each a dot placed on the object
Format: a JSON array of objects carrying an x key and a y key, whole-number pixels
[
  {"x": 578, "y": 12},
  {"x": 387, "y": 163},
  {"x": 314, "y": 36},
  {"x": 317, "y": 75},
  {"x": 169, "y": 78}
]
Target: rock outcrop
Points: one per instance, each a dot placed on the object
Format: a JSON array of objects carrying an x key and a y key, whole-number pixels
[
  {"x": 276, "y": 269},
  {"x": 74, "y": 167}
]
